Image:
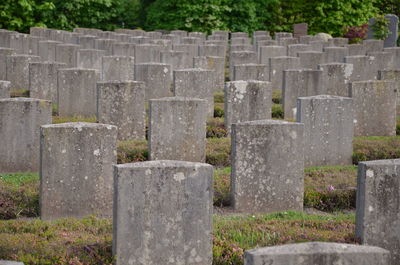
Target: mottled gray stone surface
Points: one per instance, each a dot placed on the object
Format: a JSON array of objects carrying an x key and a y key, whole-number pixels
[
  {"x": 381, "y": 60},
  {"x": 47, "y": 50},
  {"x": 338, "y": 42},
  {"x": 177, "y": 59},
  {"x": 318, "y": 45},
  {"x": 242, "y": 57},
  {"x": 356, "y": 49},
  {"x": 335, "y": 54},
  {"x": 336, "y": 78},
  {"x": 373, "y": 46},
  {"x": 395, "y": 51},
  {"x": 212, "y": 50},
  {"x": 196, "y": 83},
  {"x": 76, "y": 176},
  {"x": 77, "y": 92},
  {"x": 299, "y": 83},
  {"x": 267, "y": 166},
  {"x": 157, "y": 77},
  {"x": 245, "y": 72},
  {"x": 163, "y": 213},
  {"x": 266, "y": 52},
  {"x": 20, "y": 120},
  {"x": 87, "y": 41},
  {"x": 90, "y": 58},
  {"x": 43, "y": 80},
  {"x": 123, "y": 49},
  {"x": 216, "y": 64},
  {"x": 24, "y": 43},
  {"x": 293, "y": 49},
  {"x": 276, "y": 67},
  {"x": 393, "y": 75},
  {"x": 378, "y": 205},
  {"x": 247, "y": 101},
  {"x": 121, "y": 103},
  {"x": 177, "y": 129},
  {"x": 287, "y": 41},
  {"x": 104, "y": 44},
  {"x": 4, "y": 52},
  {"x": 18, "y": 70},
  {"x": 68, "y": 54},
  {"x": 374, "y": 107},
  {"x": 363, "y": 67},
  {"x": 317, "y": 253},
  {"x": 191, "y": 49},
  {"x": 6, "y": 262},
  {"x": 118, "y": 68},
  {"x": 147, "y": 53},
  {"x": 328, "y": 129},
  {"x": 5, "y": 88}
]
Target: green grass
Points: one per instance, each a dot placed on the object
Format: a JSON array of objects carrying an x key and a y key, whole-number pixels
[
  {"x": 19, "y": 93},
  {"x": 77, "y": 118},
  {"x": 89, "y": 240},
  {"x": 18, "y": 179}
]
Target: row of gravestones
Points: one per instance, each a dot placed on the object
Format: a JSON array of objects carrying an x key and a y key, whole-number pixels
[{"x": 98, "y": 151}]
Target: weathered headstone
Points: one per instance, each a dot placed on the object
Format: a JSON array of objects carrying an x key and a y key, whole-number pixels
[
  {"x": 266, "y": 52},
  {"x": 276, "y": 67},
  {"x": 20, "y": 120},
  {"x": 356, "y": 49},
  {"x": 68, "y": 54},
  {"x": 216, "y": 64},
  {"x": 76, "y": 175},
  {"x": 321, "y": 253},
  {"x": 157, "y": 78},
  {"x": 377, "y": 216},
  {"x": 242, "y": 57},
  {"x": 374, "y": 107},
  {"x": 363, "y": 67},
  {"x": 328, "y": 130},
  {"x": 177, "y": 129},
  {"x": 267, "y": 166},
  {"x": 77, "y": 93},
  {"x": 121, "y": 103},
  {"x": 335, "y": 54},
  {"x": 5, "y": 88},
  {"x": 245, "y": 72},
  {"x": 123, "y": 49},
  {"x": 18, "y": 70},
  {"x": 104, "y": 44},
  {"x": 118, "y": 68},
  {"x": 4, "y": 52},
  {"x": 395, "y": 51},
  {"x": 47, "y": 50},
  {"x": 177, "y": 59},
  {"x": 196, "y": 83},
  {"x": 147, "y": 53},
  {"x": 336, "y": 78},
  {"x": 338, "y": 42},
  {"x": 43, "y": 80},
  {"x": 299, "y": 83},
  {"x": 247, "y": 101},
  {"x": 310, "y": 59},
  {"x": 90, "y": 59},
  {"x": 393, "y": 75},
  {"x": 160, "y": 205},
  {"x": 373, "y": 46},
  {"x": 293, "y": 49}
]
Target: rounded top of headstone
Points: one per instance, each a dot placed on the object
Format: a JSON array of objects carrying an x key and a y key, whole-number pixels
[
  {"x": 80, "y": 125},
  {"x": 164, "y": 164},
  {"x": 324, "y": 97},
  {"x": 316, "y": 248}
]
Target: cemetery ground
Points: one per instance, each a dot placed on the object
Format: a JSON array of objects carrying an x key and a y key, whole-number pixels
[{"x": 329, "y": 200}]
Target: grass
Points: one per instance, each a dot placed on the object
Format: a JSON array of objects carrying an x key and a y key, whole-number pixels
[
  {"x": 89, "y": 240},
  {"x": 77, "y": 118},
  {"x": 19, "y": 93},
  {"x": 375, "y": 148}
]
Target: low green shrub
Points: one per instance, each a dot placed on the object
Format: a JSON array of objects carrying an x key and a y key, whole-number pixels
[
  {"x": 277, "y": 96},
  {"x": 219, "y": 97},
  {"x": 277, "y": 111},
  {"x": 330, "y": 201},
  {"x": 219, "y": 110},
  {"x": 132, "y": 151},
  {"x": 375, "y": 148},
  {"x": 216, "y": 128},
  {"x": 218, "y": 152}
]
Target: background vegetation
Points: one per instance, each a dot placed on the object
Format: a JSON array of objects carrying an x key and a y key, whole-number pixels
[{"x": 331, "y": 16}]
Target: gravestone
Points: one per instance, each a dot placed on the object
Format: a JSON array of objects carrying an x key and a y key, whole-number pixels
[
  {"x": 266, "y": 52},
  {"x": 87, "y": 41},
  {"x": 393, "y": 27},
  {"x": 328, "y": 130},
  {"x": 77, "y": 93},
  {"x": 363, "y": 67},
  {"x": 118, "y": 68},
  {"x": 373, "y": 46},
  {"x": 147, "y": 53},
  {"x": 335, "y": 54},
  {"x": 267, "y": 166},
  {"x": 68, "y": 54},
  {"x": 276, "y": 67},
  {"x": 121, "y": 103},
  {"x": 191, "y": 49},
  {"x": 216, "y": 64},
  {"x": 76, "y": 169},
  {"x": 177, "y": 129},
  {"x": 6, "y": 262},
  {"x": 4, "y": 52},
  {"x": 18, "y": 70},
  {"x": 20, "y": 120},
  {"x": 212, "y": 50},
  {"x": 299, "y": 83},
  {"x": 247, "y": 101},
  {"x": 300, "y": 29},
  {"x": 293, "y": 49},
  {"x": 374, "y": 107},
  {"x": 163, "y": 213},
  {"x": 5, "y": 88},
  {"x": 377, "y": 216},
  {"x": 43, "y": 80},
  {"x": 338, "y": 42},
  {"x": 321, "y": 253},
  {"x": 177, "y": 59},
  {"x": 47, "y": 50},
  {"x": 157, "y": 78},
  {"x": 310, "y": 59},
  {"x": 123, "y": 49},
  {"x": 393, "y": 75},
  {"x": 242, "y": 57},
  {"x": 245, "y": 72},
  {"x": 90, "y": 59},
  {"x": 196, "y": 83},
  {"x": 336, "y": 78},
  {"x": 104, "y": 44},
  {"x": 357, "y": 49}
]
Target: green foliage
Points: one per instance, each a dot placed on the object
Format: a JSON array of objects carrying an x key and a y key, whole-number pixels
[
  {"x": 277, "y": 111},
  {"x": 381, "y": 27},
  {"x": 375, "y": 148},
  {"x": 20, "y": 15}
]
